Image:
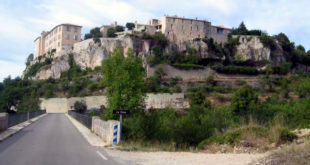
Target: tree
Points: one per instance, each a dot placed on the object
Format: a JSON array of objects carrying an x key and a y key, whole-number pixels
[
  {"x": 124, "y": 79},
  {"x": 130, "y": 25},
  {"x": 243, "y": 99},
  {"x": 29, "y": 59},
  {"x": 111, "y": 32},
  {"x": 94, "y": 33},
  {"x": 242, "y": 28},
  {"x": 119, "y": 28},
  {"x": 80, "y": 106}
]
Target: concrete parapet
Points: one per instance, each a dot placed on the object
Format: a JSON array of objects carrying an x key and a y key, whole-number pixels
[
  {"x": 3, "y": 121},
  {"x": 106, "y": 130}
]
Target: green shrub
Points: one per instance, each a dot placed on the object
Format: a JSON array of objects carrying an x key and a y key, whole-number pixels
[
  {"x": 130, "y": 25},
  {"x": 94, "y": 113},
  {"x": 243, "y": 100},
  {"x": 80, "y": 106},
  {"x": 287, "y": 136},
  {"x": 188, "y": 66},
  {"x": 233, "y": 69},
  {"x": 268, "y": 41},
  {"x": 111, "y": 32},
  {"x": 302, "y": 87}
]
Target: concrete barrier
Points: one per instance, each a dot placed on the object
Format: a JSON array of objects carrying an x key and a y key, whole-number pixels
[
  {"x": 3, "y": 121},
  {"x": 106, "y": 130}
]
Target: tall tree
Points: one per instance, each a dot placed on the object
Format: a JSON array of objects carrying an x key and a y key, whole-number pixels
[{"x": 124, "y": 78}]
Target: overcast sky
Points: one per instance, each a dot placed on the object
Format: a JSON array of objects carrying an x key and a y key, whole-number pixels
[{"x": 23, "y": 20}]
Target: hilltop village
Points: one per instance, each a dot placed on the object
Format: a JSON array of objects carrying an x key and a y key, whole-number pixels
[
  {"x": 176, "y": 29},
  {"x": 187, "y": 82}
]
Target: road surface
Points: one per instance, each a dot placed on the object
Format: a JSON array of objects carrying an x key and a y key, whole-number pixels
[{"x": 52, "y": 140}]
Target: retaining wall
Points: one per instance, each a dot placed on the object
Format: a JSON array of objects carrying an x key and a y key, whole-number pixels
[{"x": 157, "y": 101}]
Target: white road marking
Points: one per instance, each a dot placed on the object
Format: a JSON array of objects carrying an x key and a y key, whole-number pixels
[{"x": 100, "y": 154}]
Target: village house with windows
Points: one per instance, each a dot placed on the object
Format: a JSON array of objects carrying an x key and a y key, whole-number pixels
[{"x": 61, "y": 37}]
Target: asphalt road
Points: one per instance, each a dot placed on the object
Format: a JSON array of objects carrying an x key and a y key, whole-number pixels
[{"x": 52, "y": 140}]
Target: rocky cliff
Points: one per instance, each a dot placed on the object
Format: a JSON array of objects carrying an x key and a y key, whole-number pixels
[
  {"x": 89, "y": 54},
  {"x": 252, "y": 50}
]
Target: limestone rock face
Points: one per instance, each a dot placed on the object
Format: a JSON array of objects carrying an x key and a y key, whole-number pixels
[
  {"x": 252, "y": 50},
  {"x": 89, "y": 54},
  {"x": 201, "y": 47},
  {"x": 60, "y": 64}
]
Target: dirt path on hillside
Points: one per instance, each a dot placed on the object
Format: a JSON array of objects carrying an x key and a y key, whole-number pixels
[{"x": 182, "y": 158}]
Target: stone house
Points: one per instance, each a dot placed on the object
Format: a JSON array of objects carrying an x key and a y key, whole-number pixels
[
  {"x": 61, "y": 37},
  {"x": 180, "y": 29}
]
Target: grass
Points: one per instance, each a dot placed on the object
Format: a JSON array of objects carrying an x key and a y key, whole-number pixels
[
  {"x": 153, "y": 146},
  {"x": 293, "y": 154}
]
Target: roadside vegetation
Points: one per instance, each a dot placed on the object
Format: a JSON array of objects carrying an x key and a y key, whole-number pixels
[{"x": 252, "y": 116}]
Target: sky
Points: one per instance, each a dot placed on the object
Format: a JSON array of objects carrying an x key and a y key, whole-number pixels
[{"x": 23, "y": 20}]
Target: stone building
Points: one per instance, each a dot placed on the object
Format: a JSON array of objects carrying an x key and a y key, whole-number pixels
[
  {"x": 61, "y": 37},
  {"x": 180, "y": 29},
  {"x": 104, "y": 28}
]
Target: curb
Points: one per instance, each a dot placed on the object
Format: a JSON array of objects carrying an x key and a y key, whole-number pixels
[
  {"x": 15, "y": 129},
  {"x": 89, "y": 136}
]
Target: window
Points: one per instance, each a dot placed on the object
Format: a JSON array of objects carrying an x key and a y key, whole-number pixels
[
  {"x": 220, "y": 31},
  {"x": 173, "y": 19},
  {"x": 171, "y": 26},
  {"x": 182, "y": 20},
  {"x": 191, "y": 21},
  {"x": 197, "y": 27},
  {"x": 59, "y": 28},
  {"x": 191, "y": 28},
  {"x": 68, "y": 36},
  {"x": 75, "y": 37},
  {"x": 67, "y": 44},
  {"x": 58, "y": 36},
  {"x": 75, "y": 29},
  {"x": 58, "y": 44},
  {"x": 68, "y": 28},
  {"x": 182, "y": 27}
]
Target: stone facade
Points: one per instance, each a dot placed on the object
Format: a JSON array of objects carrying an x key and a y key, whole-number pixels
[
  {"x": 61, "y": 37},
  {"x": 180, "y": 29}
]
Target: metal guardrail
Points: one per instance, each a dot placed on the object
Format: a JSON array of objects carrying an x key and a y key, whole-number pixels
[
  {"x": 83, "y": 119},
  {"x": 17, "y": 118}
]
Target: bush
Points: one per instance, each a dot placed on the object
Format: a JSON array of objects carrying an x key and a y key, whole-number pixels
[
  {"x": 94, "y": 113},
  {"x": 268, "y": 41},
  {"x": 80, "y": 106},
  {"x": 233, "y": 69},
  {"x": 243, "y": 100},
  {"x": 111, "y": 32},
  {"x": 188, "y": 66},
  {"x": 302, "y": 87},
  {"x": 287, "y": 136},
  {"x": 130, "y": 25}
]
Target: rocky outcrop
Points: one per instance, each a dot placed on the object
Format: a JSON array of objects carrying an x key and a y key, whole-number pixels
[
  {"x": 201, "y": 47},
  {"x": 252, "y": 50},
  {"x": 59, "y": 64},
  {"x": 90, "y": 54}
]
